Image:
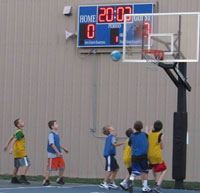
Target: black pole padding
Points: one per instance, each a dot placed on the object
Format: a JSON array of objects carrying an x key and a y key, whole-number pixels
[{"x": 179, "y": 148}]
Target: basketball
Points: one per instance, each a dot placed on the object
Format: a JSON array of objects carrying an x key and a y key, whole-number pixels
[{"x": 115, "y": 56}]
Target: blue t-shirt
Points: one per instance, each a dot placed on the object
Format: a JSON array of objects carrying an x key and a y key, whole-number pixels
[
  {"x": 109, "y": 148},
  {"x": 139, "y": 144},
  {"x": 56, "y": 139}
]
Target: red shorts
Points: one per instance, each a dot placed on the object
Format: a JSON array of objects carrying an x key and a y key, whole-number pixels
[
  {"x": 158, "y": 167},
  {"x": 55, "y": 164}
]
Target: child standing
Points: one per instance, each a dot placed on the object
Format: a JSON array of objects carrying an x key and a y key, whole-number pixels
[
  {"x": 127, "y": 159},
  {"x": 155, "y": 158},
  {"x": 139, "y": 144},
  {"x": 20, "y": 156},
  {"x": 112, "y": 166},
  {"x": 55, "y": 159}
]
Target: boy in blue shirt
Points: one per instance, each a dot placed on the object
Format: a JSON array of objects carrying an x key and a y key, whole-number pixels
[
  {"x": 112, "y": 166},
  {"x": 139, "y": 144},
  {"x": 55, "y": 158}
]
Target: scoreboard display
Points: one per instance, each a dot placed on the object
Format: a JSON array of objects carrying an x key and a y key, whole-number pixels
[{"x": 102, "y": 25}]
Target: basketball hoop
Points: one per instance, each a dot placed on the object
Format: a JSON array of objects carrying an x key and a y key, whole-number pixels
[{"x": 153, "y": 57}]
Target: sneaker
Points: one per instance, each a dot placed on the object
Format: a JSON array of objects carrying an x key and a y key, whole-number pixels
[
  {"x": 46, "y": 183},
  {"x": 15, "y": 180},
  {"x": 130, "y": 186},
  {"x": 104, "y": 185},
  {"x": 157, "y": 189},
  {"x": 146, "y": 189},
  {"x": 113, "y": 185},
  {"x": 124, "y": 186},
  {"x": 60, "y": 181},
  {"x": 23, "y": 180}
]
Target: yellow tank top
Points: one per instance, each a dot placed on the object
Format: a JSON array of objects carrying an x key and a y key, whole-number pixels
[
  {"x": 127, "y": 154},
  {"x": 154, "y": 151},
  {"x": 19, "y": 146}
]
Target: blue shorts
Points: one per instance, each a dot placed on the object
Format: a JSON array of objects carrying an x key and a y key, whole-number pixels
[
  {"x": 111, "y": 163},
  {"x": 140, "y": 166}
]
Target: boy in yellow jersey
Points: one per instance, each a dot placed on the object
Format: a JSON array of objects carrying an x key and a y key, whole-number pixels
[
  {"x": 20, "y": 156},
  {"x": 155, "y": 158},
  {"x": 127, "y": 159}
]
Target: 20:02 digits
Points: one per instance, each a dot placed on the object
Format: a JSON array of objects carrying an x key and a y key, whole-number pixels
[{"x": 109, "y": 14}]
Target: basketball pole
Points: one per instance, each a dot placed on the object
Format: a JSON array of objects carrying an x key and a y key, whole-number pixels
[
  {"x": 179, "y": 122},
  {"x": 180, "y": 133}
]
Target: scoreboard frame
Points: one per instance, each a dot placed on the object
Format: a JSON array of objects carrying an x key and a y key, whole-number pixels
[{"x": 114, "y": 28}]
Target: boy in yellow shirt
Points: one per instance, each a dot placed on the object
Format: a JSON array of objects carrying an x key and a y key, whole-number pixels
[
  {"x": 127, "y": 159},
  {"x": 155, "y": 158},
  {"x": 20, "y": 156}
]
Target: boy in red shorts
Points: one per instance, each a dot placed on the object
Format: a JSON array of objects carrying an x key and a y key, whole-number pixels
[
  {"x": 155, "y": 158},
  {"x": 55, "y": 159}
]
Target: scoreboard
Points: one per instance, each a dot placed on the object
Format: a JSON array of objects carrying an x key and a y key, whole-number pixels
[{"x": 102, "y": 25}]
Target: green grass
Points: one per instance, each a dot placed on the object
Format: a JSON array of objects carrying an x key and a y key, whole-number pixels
[{"x": 165, "y": 184}]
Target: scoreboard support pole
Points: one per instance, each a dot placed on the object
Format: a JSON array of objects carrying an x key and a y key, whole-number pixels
[{"x": 179, "y": 122}]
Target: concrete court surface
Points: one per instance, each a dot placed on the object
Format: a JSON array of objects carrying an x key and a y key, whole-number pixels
[{"x": 36, "y": 187}]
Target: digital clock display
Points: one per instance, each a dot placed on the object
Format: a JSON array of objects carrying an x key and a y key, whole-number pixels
[
  {"x": 102, "y": 25},
  {"x": 110, "y": 14}
]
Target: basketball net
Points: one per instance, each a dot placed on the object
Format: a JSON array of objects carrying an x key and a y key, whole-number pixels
[{"x": 152, "y": 57}]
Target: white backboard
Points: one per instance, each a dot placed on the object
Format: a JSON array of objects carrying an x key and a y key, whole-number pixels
[{"x": 177, "y": 34}]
